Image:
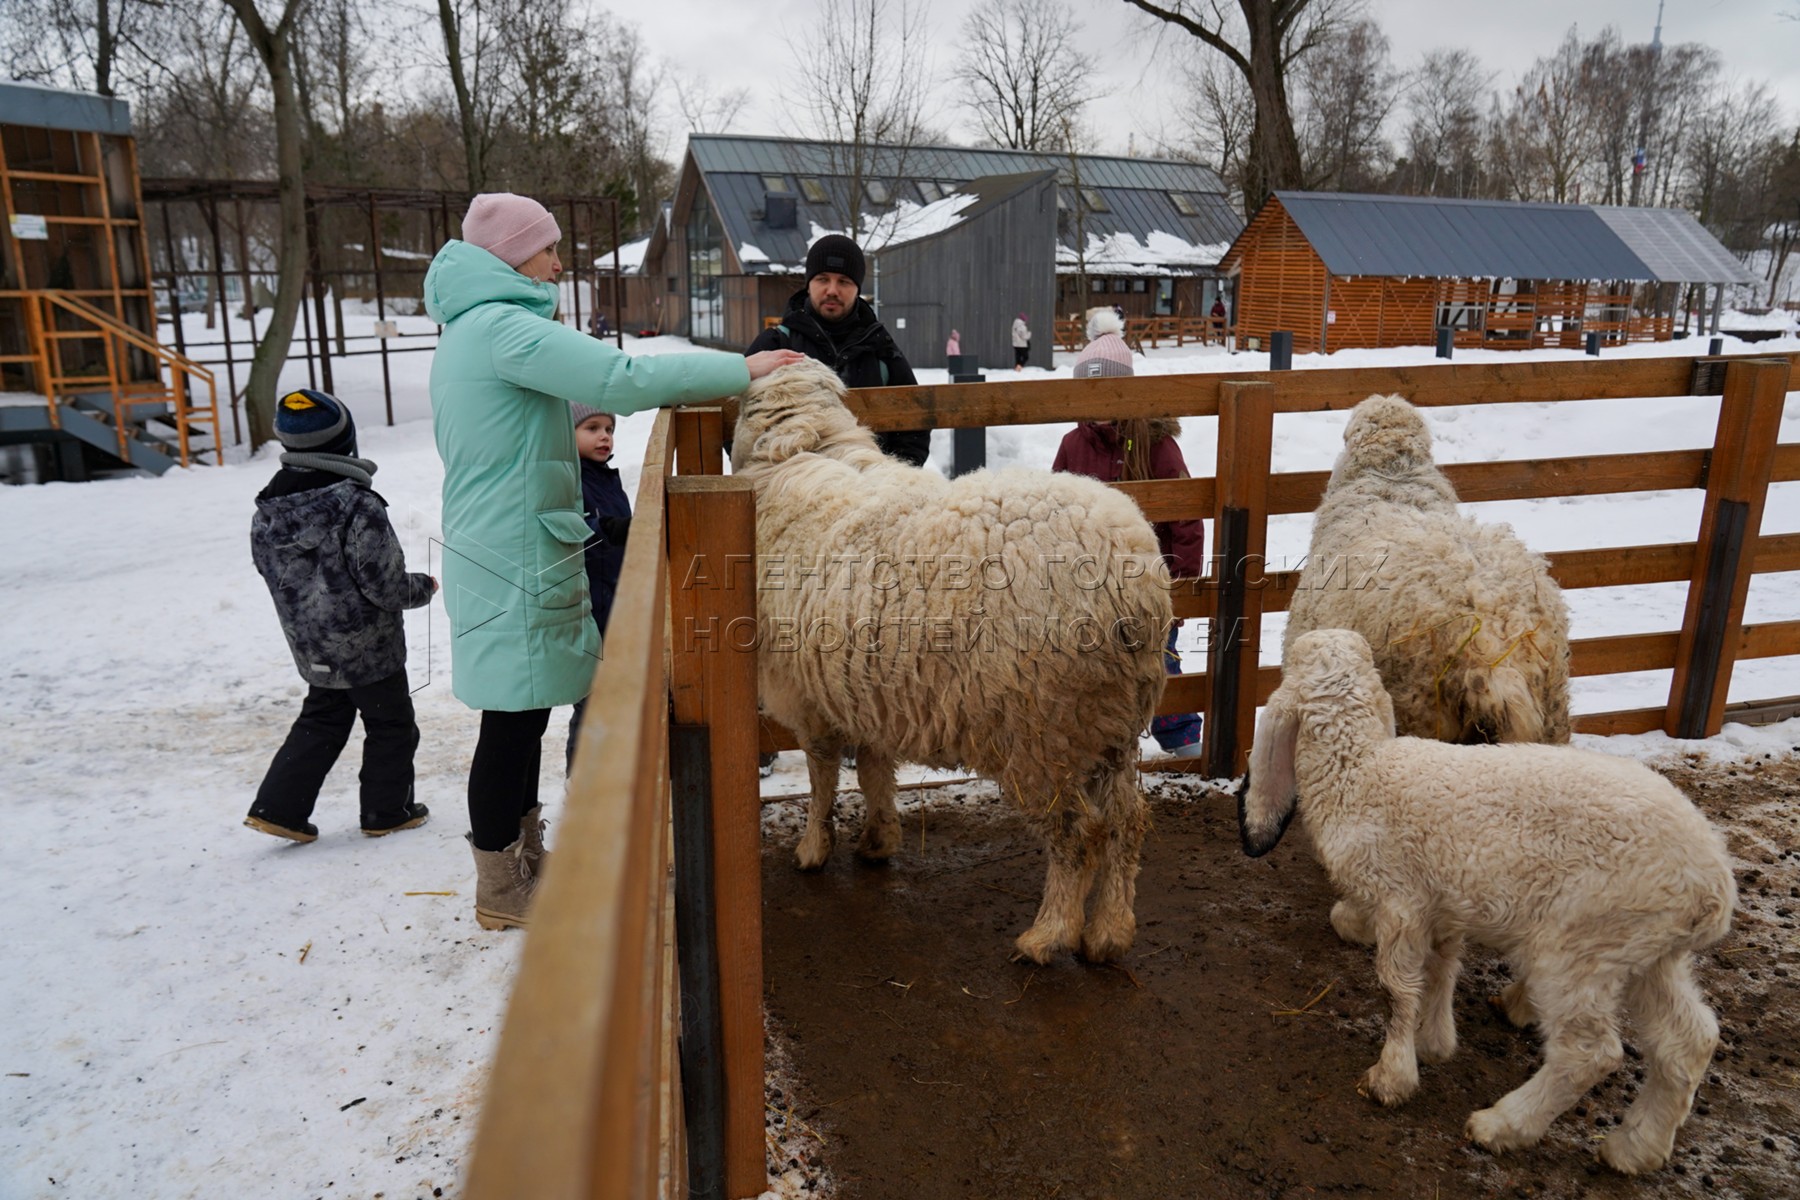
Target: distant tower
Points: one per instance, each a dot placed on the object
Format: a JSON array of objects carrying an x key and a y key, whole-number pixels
[{"x": 1640, "y": 159}]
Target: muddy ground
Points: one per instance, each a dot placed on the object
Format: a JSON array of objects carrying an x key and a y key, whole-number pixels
[{"x": 1220, "y": 1059}]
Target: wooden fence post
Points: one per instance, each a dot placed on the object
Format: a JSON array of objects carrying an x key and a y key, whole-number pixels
[
  {"x": 712, "y": 682},
  {"x": 1240, "y": 540},
  {"x": 700, "y": 441},
  {"x": 1737, "y": 482},
  {"x": 697, "y": 946}
]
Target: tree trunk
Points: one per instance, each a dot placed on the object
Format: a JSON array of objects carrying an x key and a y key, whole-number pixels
[
  {"x": 275, "y": 50},
  {"x": 465, "y": 104},
  {"x": 1273, "y": 162},
  {"x": 105, "y": 47}
]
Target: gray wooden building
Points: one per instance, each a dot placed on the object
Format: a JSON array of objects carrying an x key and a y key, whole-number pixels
[
  {"x": 997, "y": 261},
  {"x": 1143, "y": 234}
]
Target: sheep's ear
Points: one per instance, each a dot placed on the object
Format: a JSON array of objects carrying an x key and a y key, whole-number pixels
[{"x": 1266, "y": 804}]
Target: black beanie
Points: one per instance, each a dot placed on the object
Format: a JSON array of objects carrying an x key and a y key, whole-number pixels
[{"x": 838, "y": 254}]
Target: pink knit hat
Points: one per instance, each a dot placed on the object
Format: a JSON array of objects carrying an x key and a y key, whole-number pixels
[
  {"x": 1105, "y": 355},
  {"x": 511, "y": 228}
]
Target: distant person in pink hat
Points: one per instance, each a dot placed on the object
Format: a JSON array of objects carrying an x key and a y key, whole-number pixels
[
  {"x": 1129, "y": 451},
  {"x": 522, "y": 640}
]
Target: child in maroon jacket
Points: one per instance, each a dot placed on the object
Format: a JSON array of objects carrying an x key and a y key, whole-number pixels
[{"x": 1127, "y": 451}]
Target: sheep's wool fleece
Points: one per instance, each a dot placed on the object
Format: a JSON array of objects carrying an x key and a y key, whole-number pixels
[
  {"x": 1008, "y": 621},
  {"x": 1469, "y": 632}
]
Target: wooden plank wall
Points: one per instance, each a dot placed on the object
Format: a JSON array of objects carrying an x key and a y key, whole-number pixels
[{"x": 1281, "y": 281}]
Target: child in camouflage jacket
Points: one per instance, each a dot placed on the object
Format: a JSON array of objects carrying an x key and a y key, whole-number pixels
[{"x": 322, "y": 542}]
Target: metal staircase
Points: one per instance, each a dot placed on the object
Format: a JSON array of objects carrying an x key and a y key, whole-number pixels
[{"x": 151, "y": 423}]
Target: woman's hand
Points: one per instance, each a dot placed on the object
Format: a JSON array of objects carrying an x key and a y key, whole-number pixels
[{"x": 764, "y": 361}]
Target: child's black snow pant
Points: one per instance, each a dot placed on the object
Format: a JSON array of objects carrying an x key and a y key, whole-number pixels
[{"x": 390, "y": 736}]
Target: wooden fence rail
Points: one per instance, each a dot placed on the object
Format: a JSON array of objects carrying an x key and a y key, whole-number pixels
[
  {"x": 586, "y": 1096},
  {"x": 1761, "y": 385}
]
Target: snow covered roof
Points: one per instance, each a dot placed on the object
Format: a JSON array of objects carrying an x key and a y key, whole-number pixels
[
  {"x": 631, "y": 257},
  {"x": 1158, "y": 254},
  {"x": 1152, "y": 202}
]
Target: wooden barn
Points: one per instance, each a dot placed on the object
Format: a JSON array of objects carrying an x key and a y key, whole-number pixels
[{"x": 1342, "y": 271}]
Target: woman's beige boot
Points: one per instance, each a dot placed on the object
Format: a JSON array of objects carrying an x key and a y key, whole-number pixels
[
  {"x": 503, "y": 887},
  {"x": 531, "y": 833}
]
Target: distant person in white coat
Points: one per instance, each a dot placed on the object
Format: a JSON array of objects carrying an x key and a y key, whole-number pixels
[{"x": 1021, "y": 341}]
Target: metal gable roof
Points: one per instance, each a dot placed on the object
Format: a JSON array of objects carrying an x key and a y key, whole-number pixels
[
  {"x": 1675, "y": 246},
  {"x": 1460, "y": 239},
  {"x": 1136, "y": 191},
  {"x": 725, "y": 152}
]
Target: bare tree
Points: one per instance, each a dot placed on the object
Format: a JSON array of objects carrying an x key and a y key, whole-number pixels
[
  {"x": 74, "y": 43},
  {"x": 1218, "y": 116},
  {"x": 274, "y": 47},
  {"x": 1022, "y": 73},
  {"x": 471, "y": 50},
  {"x": 1443, "y": 137},
  {"x": 1680, "y": 80},
  {"x": 1550, "y": 114},
  {"x": 866, "y": 85},
  {"x": 1261, "y": 39},
  {"x": 332, "y": 64},
  {"x": 1347, "y": 90},
  {"x": 1729, "y": 163},
  {"x": 634, "y": 83},
  {"x": 208, "y": 114},
  {"x": 704, "y": 110}
]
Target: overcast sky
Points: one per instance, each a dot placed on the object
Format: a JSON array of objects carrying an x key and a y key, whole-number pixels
[{"x": 737, "y": 44}]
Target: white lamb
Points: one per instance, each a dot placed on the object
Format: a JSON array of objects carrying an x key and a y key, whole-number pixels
[
  {"x": 1010, "y": 622},
  {"x": 1593, "y": 875},
  {"x": 1470, "y": 633}
]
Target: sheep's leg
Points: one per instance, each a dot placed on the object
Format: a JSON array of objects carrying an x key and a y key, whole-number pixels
[
  {"x": 1066, "y": 882},
  {"x": 1679, "y": 1033},
  {"x": 1400, "y": 952},
  {"x": 881, "y": 823},
  {"x": 1351, "y": 923},
  {"x": 1437, "y": 1028},
  {"x": 815, "y": 843},
  {"x": 1121, "y": 807},
  {"x": 1581, "y": 1047},
  {"x": 1514, "y": 1002}
]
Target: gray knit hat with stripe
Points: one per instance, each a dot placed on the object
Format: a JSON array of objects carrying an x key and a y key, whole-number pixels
[{"x": 581, "y": 412}]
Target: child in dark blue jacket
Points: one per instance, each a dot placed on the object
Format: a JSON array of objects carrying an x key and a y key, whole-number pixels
[
  {"x": 608, "y": 514},
  {"x": 322, "y": 542}
]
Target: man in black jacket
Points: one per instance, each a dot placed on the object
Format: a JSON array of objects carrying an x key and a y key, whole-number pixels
[{"x": 829, "y": 320}]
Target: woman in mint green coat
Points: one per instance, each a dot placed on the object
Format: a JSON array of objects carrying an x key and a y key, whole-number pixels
[{"x": 521, "y": 637}]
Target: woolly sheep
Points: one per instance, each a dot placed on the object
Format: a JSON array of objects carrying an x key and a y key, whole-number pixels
[
  {"x": 1592, "y": 875},
  {"x": 1470, "y": 633},
  {"x": 1010, "y": 622}
]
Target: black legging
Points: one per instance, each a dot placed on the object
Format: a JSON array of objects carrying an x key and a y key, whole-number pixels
[{"x": 503, "y": 779}]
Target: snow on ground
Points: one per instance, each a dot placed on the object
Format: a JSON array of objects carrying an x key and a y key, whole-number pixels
[{"x": 199, "y": 1010}]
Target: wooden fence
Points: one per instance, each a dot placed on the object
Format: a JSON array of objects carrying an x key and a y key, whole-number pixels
[
  {"x": 1148, "y": 331},
  {"x": 586, "y": 1098}
]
